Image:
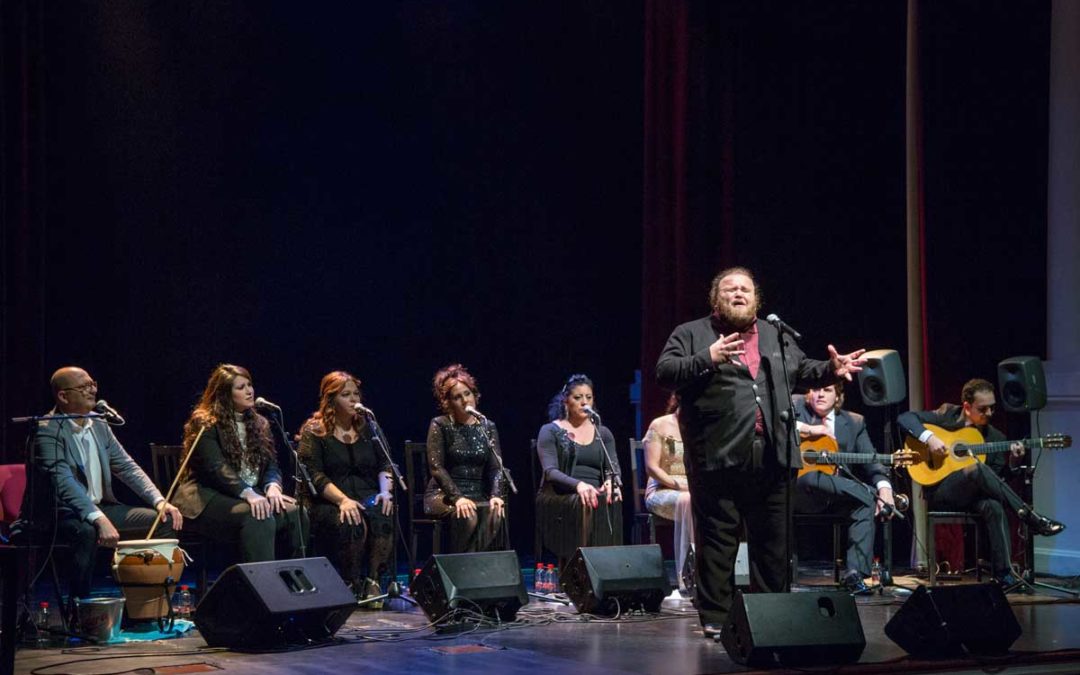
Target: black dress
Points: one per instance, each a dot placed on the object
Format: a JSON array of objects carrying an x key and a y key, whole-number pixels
[
  {"x": 563, "y": 521},
  {"x": 354, "y": 468},
  {"x": 462, "y": 464}
]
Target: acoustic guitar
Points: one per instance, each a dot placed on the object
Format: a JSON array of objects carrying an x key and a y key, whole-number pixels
[
  {"x": 965, "y": 447},
  {"x": 822, "y": 454}
]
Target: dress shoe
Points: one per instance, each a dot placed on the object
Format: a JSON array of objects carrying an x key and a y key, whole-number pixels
[
  {"x": 1044, "y": 526},
  {"x": 713, "y": 631},
  {"x": 855, "y": 585}
]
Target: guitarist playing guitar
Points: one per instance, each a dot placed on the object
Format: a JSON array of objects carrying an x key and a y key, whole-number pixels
[
  {"x": 978, "y": 487},
  {"x": 820, "y": 414}
]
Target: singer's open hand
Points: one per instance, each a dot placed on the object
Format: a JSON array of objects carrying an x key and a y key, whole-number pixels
[
  {"x": 590, "y": 496},
  {"x": 260, "y": 506},
  {"x": 464, "y": 508},
  {"x": 387, "y": 501},
  {"x": 846, "y": 364},
  {"x": 349, "y": 511},
  {"x": 726, "y": 348},
  {"x": 171, "y": 515}
]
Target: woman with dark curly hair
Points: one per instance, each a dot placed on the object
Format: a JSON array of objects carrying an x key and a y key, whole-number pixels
[
  {"x": 577, "y": 504},
  {"x": 231, "y": 488},
  {"x": 466, "y": 483},
  {"x": 351, "y": 514}
]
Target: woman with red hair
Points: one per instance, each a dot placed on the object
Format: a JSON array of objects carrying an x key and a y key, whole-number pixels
[
  {"x": 351, "y": 512},
  {"x": 231, "y": 488},
  {"x": 466, "y": 483}
]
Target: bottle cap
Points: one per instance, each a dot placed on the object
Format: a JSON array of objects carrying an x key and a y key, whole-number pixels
[{"x": 183, "y": 587}]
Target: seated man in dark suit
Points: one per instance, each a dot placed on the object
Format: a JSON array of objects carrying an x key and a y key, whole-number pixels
[
  {"x": 74, "y": 462},
  {"x": 861, "y": 495},
  {"x": 978, "y": 487}
]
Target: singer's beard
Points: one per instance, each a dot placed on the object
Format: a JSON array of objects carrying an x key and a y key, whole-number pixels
[{"x": 736, "y": 316}]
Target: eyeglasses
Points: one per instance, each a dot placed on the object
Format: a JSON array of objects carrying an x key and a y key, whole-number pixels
[
  {"x": 985, "y": 409},
  {"x": 83, "y": 388}
]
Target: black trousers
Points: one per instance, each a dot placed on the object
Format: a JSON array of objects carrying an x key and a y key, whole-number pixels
[
  {"x": 819, "y": 492},
  {"x": 227, "y": 519},
  {"x": 132, "y": 522},
  {"x": 754, "y": 494},
  {"x": 978, "y": 488}
]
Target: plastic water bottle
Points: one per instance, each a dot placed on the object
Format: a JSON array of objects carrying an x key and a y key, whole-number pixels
[
  {"x": 875, "y": 572},
  {"x": 41, "y": 623},
  {"x": 184, "y": 602},
  {"x": 553, "y": 578},
  {"x": 542, "y": 585}
]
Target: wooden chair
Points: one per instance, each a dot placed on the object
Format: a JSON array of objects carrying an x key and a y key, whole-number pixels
[
  {"x": 644, "y": 520},
  {"x": 416, "y": 479},
  {"x": 944, "y": 518},
  {"x": 165, "y": 462}
]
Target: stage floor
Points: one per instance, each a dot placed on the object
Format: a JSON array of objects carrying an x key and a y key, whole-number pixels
[{"x": 553, "y": 638}]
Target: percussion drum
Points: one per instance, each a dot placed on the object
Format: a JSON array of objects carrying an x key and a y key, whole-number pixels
[{"x": 147, "y": 571}]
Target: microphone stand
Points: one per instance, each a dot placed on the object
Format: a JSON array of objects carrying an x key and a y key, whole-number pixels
[
  {"x": 616, "y": 479},
  {"x": 377, "y": 436},
  {"x": 498, "y": 458},
  {"x": 300, "y": 474},
  {"x": 793, "y": 442}
]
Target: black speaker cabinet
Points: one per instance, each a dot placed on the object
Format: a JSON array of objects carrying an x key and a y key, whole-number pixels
[
  {"x": 489, "y": 583},
  {"x": 794, "y": 629},
  {"x": 272, "y": 604},
  {"x": 1022, "y": 383},
  {"x": 949, "y": 621},
  {"x": 881, "y": 380},
  {"x": 614, "y": 579}
]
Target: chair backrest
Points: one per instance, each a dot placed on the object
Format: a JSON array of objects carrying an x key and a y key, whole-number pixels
[
  {"x": 165, "y": 460},
  {"x": 639, "y": 477},
  {"x": 12, "y": 487},
  {"x": 416, "y": 478}
]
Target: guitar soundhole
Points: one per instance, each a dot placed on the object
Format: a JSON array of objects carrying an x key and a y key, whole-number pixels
[{"x": 960, "y": 450}]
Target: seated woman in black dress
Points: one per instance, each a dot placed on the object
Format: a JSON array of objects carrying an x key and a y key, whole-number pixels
[
  {"x": 576, "y": 505},
  {"x": 466, "y": 483},
  {"x": 351, "y": 514},
  {"x": 231, "y": 488}
]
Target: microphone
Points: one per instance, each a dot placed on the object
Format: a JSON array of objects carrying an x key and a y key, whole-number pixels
[
  {"x": 111, "y": 416},
  {"x": 263, "y": 403},
  {"x": 783, "y": 327},
  {"x": 363, "y": 409},
  {"x": 475, "y": 413},
  {"x": 590, "y": 412}
]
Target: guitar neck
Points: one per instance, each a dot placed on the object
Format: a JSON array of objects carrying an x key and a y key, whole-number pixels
[
  {"x": 847, "y": 457},
  {"x": 1001, "y": 446}
]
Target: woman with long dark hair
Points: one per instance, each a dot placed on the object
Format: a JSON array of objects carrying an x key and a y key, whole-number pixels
[
  {"x": 231, "y": 488},
  {"x": 466, "y": 483},
  {"x": 352, "y": 510},
  {"x": 578, "y": 504}
]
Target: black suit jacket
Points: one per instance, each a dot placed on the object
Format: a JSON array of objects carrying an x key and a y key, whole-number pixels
[
  {"x": 209, "y": 474},
  {"x": 717, "y": 402},
  {"x": 851, "y": 436}
]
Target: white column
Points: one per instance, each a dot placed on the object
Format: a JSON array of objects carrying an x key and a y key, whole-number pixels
[{"x": 1058, "y": 476}]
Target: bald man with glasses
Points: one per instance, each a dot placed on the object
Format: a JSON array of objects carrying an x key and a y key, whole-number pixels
[{"x": 74, "y": 462}]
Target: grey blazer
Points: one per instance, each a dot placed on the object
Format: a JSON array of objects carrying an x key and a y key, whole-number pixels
[{"x": 63, "y": 482}]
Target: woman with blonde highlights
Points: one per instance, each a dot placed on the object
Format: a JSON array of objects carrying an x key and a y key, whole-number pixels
[
  {"x": 231, "y": 488},
  {"x": 352, "y": 510},
  {"x": 466, "y": 483}
]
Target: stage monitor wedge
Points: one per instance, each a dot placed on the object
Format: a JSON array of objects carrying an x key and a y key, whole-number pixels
[
  {"x": 488, "y": 583},
  {"x": 953, "y": 621},
  {"x": 881, "y": 380},
  {"x": 610, "y": 580},
  {"x": 794, "y": 629},
  {"x": 268, "y": 605}
]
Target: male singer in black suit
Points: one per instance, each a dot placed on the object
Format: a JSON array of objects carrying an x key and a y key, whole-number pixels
[
  {"x": 859, "y": 494},
  {"x": 740, "y": 451}
]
